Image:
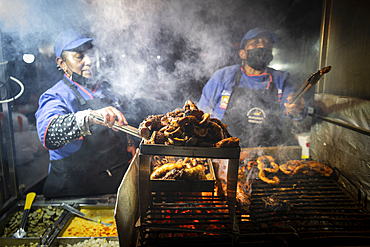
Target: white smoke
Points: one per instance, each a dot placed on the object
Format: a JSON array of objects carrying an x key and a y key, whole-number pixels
[
  {"x": 145, "y": 35},
  {"x": 163, "y": 50}
]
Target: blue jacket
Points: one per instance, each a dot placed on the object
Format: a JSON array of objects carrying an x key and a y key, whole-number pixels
[
  {"x": 60, "y": 100},
  {"x": 222, "y": 81}
]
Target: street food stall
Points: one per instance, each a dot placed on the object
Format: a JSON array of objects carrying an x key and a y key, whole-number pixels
[{"x": 193, "y": 184}]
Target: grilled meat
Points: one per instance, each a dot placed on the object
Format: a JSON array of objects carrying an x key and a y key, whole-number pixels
[
  {"x": 188, "y": 126},
  {"x": 264, "y": 164}
]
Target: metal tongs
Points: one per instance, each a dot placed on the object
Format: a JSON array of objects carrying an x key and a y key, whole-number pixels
[
  {"x": 125, "y": 128},
  {"x": 21, "y": 233},
  {"x": 309, "y": 83},
  {"x": 82, "y": 215}
]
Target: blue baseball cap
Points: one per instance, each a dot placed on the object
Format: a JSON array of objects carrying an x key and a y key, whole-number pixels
[
  {"x": 256, "y": 31},
  {"x": 68, "y": 40}
]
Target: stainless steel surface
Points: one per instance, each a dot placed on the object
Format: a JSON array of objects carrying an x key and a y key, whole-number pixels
[
  {"x": 82, "y": 215},
  {"x": 344, "y": 94},
  {"x": 339, "y": 146},
  {"x": 8, "y": 178},
  {"x": 65, "y": 241},
  {"x": 127, "y": 206},
  {"x": 56, "y": 243},
  {"x": 345, "y": 46}
]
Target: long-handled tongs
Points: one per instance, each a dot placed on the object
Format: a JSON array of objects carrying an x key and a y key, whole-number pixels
[
  {"x": 309, "y": 83},
  {"x": 125, "y": 128},
  {"x": 21, "y": 233},
  {"x": 82, "y": 215}
]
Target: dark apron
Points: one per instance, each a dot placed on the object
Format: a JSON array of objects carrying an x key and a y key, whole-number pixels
[
  {"x": 97, "y": 167},
  {"x": 254, "y": 115}
]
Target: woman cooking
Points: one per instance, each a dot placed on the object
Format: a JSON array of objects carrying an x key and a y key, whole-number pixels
[{"x": 86, "y": 157}]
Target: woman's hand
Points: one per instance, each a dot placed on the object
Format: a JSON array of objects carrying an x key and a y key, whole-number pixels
[
  {"x": 132, "y": 150},
  {"x": 110, "y": 115},
  {"x": 294, "y": 109}
]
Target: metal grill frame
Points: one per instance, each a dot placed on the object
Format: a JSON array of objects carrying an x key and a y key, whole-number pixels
[
  {"x": 320, "y": 210},
  {"x": 145, "y": 184},
  {"x": 262, "y": 227}
]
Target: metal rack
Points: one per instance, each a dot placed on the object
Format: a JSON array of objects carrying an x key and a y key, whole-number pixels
[
  {"x": 307, "y": 209},
  {"x": 145, "y": 185}
]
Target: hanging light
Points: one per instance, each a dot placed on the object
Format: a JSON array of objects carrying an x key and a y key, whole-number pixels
[{"x": 28, "y": 58}]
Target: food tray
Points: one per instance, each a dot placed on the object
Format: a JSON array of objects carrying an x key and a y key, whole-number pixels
[
  {"x": 82, "y": 228},
  {"x": 179, "y": 185},
  {"x": 41, "y": 224},
  {"x": 58, "y": 242},
  {"x": 52, "y": 234}
]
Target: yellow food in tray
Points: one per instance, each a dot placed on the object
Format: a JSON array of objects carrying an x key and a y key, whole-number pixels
[{"x": 80, "y": 227}]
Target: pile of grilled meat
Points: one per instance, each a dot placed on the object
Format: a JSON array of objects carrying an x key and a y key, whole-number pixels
[{"x": 187, "y": 126}]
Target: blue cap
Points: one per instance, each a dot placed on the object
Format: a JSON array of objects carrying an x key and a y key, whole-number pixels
[
  {"x": 256, "y": 31},
  {"x": 68, "y": 40}
]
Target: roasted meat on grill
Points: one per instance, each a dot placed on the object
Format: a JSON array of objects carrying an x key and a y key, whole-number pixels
[
  {"x": 186, "y": 169},
  {"x": 292, "y": 167},
  {"x": 267, "y": 163},
  {"x": 187, "y": 126}
]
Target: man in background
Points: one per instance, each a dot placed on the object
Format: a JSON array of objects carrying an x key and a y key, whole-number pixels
[{"x": 251, "y": 98}]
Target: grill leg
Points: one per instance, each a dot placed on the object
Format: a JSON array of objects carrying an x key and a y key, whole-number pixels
[
  {"x": 144, "y": 185},
  {"x": 232, "y": 177}
]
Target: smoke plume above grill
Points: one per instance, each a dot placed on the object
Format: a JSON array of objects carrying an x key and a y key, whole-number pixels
[
  {"x": 156, "y": 54},
  {"x": 158, "y": 47},
  {"x": 152, "y": 50}
]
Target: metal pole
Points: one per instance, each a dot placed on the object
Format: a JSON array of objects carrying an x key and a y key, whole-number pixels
[{"x": 8, "y": 174}]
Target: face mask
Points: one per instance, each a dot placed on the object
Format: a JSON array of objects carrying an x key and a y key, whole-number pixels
[
  {"x": 82, "y": 80},
  {"x": 259, "y": 58}
]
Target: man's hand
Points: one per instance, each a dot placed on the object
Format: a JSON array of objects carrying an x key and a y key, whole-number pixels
[
  {"x": 110, "y": 115},
  {"x": 294, "y": 109}
]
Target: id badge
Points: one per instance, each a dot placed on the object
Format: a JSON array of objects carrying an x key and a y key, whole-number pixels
[{"x": 225, "y": 96}]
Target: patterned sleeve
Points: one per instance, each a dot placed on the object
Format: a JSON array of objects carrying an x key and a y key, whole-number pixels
[{"x": 67, "y": 128}]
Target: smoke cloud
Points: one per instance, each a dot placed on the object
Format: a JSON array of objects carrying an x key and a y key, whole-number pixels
[
  {"x": 157, "y": 47},
  {"x": 158, "y": 50}
]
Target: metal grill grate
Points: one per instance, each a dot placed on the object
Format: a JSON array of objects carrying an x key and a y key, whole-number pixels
[
  {"x": 303, "y": 208},
  {"x": 186, "y": 214},
  {"x": 298, "y": 209}
]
